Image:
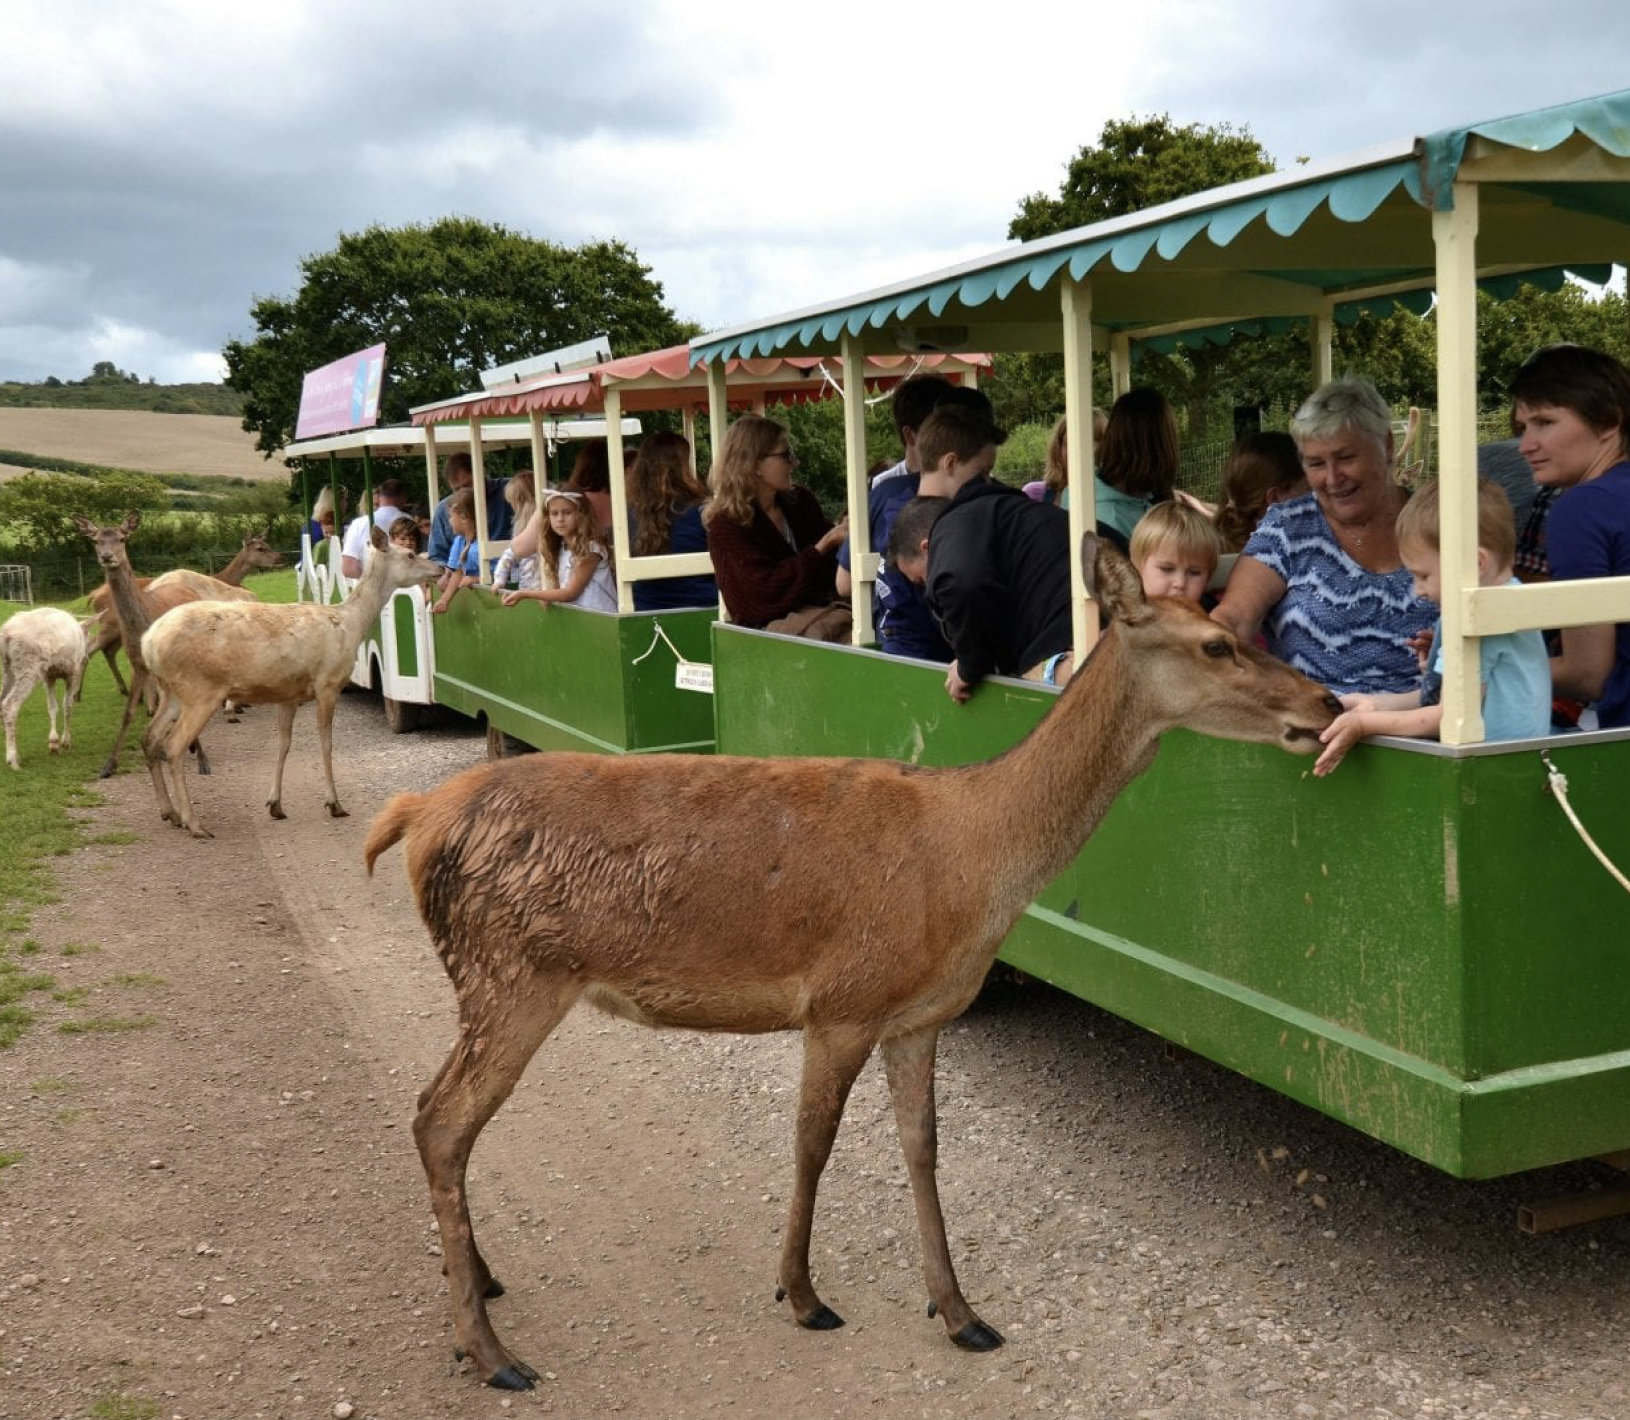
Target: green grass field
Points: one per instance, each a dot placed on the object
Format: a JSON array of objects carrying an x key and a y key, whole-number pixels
[{"x": 43, "y": 813}]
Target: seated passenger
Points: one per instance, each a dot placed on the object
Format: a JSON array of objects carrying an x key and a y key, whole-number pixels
[
  {"x": 460, "y": 473},
  {"x": 523, "y": 569},
  {"x": 665, "y": 518},
  {"x": 404, "y": 532},
  {"x": 1321, "y": 573},
  {"x": 591, "y": 476},
  {"x": 773, "y": 549},
  {"x": 1514, "y": 671},
  {"x": 1175, "y": 551},
  {"x": 903, "y": 622},
  {"x": 576, "y": 564},
  {"x": 1571, "y": 412},
  {"x": 1054, "y": 484},
  {"x": 463, "y": 567},
  {"x": 998, "y": 568},
  {"x": 1263, "y": 469},
  {"x": 1137, "y": 462},
  {"x": 388, "y": 498}
]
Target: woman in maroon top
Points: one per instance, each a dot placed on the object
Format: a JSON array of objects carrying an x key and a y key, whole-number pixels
[{"x": 773, "y": 548}]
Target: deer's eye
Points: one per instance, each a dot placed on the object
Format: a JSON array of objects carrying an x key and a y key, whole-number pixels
[{"x": 1218, "y": 648}]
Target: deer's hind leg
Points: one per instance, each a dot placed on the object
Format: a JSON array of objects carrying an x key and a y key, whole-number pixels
[
  {"x": 909, "y": 1062},
  {"x": 833, "y": 1057},
  {"x": 499, "y": 1031}
]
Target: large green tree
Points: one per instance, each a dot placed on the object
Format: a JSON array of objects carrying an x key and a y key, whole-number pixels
[
  {"x": 1136, "y": 163},
  {"x": 448, "y": 299}
]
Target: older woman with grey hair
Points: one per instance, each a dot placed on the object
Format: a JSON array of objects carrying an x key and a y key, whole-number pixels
[{"x": 1321, "y": 575}]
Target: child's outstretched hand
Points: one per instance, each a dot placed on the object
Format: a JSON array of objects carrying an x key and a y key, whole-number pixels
[
  {"x": 1344, "y": 732},
  {"x": 517, "y": 596}
]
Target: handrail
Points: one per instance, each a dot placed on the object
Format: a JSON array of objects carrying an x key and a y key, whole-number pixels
[{"x": 1589, "y": 601}]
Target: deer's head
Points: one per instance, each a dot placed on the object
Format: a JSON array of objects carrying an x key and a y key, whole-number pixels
[
  {"x": 1193, "y": 672},
  {"x": 261, "y": 552},
  {"x": 110, "y": 542}
]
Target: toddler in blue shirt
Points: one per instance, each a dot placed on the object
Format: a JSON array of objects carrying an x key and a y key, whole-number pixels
[{"x": 1515, "y": 671}]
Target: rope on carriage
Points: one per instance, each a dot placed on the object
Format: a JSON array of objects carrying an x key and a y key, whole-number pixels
[
  {"x": 1558, "y": 784},
  {"x": 679, "y": 655}
]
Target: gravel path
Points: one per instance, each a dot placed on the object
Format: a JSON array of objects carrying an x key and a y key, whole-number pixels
[{"x": 218, "y": 1211}]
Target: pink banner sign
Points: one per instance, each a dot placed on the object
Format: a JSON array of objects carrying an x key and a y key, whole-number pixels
[{"x": 342, "y": 395}]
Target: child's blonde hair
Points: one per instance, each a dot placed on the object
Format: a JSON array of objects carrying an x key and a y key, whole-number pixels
[
  {"x": 1496, "y": 526},
  {"x": 581, "y": 540},
  {"x": 1194, "y": 533}
]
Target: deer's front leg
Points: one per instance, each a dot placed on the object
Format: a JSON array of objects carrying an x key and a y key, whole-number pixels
[
  {"x": 909, "y": 1063},
  {"x": 285, "y": 733},
  {"x": 832, "y": 1060},
  {"x": 325, "y": 738}
]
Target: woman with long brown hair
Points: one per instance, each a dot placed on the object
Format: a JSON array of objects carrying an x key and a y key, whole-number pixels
[
  {"x": 665, "y": 517},
  {"x": 773, "y": 548}
]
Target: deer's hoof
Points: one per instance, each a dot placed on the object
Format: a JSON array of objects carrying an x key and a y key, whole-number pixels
[
  {"x": 976, "y": 1336},
  {"x": 203, "y": 766},
  {"x": 106, "y": 771},
  {"x": 198, "y": 832},
  {"x": 335, "y": 811},
  {"x": 275, "y": 808},
  {"x": 823, "y": 1318},
  {"x": 515, "y": 1376},
  {"x": 493, "y": 1289}
]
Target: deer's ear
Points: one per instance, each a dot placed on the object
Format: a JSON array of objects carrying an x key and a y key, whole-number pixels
[
  {"x": 378, "y": 538},
  {"x": 1112, "y": 581},
  {"x": 85, "y": 525},
  {"x": 131, "y": 523}
]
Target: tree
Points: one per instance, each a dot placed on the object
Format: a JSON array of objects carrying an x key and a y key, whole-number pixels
[
  {"x": 448, "y": 300},
  {"x": 1136, "y": 163},
  {"x": 40, "y": 508}
]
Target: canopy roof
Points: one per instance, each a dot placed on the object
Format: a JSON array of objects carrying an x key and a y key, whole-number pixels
[
  {"x": 1554, "y": 190},
  {"x": 665, "y": 379},
  {"x": 395, "y": 440}
]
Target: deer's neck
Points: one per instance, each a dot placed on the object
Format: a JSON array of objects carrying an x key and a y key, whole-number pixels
[
  {"x": 1041, "y": 800},
  {"x": 236, "y": 570},
  {"x": 127, "y": 602},
  {"x": 361, "y": 608}
]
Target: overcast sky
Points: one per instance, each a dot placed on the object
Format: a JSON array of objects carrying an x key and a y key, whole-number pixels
[{"x": 163, "y": 164}]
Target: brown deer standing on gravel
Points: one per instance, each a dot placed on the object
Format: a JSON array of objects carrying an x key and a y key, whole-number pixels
[
  {"x": 204, "y": 653},
  {"x": 134, "y": 611},
  {"x": 859, "y": 901},
  {"x": 172, "y": 588}
]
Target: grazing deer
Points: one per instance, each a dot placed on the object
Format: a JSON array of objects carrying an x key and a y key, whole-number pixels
[
  {"x": 859, "y": 901},
  {"x": 135, "y": 610},
  {"x": 172, "y": 588},
  {"x": 45, "y": 644},
  {"x": 204, "y": 653}
]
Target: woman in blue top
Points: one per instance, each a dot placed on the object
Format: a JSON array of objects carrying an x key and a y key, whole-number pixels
[
  {"x": 1571, "y": 414},
  {"x": 1321, "y": 575},
  {"x": 665, "y": 513}
]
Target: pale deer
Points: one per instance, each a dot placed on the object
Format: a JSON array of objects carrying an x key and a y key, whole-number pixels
[
  {"x": 204, "y": 653},
  {"x": 859, "y": 901}
]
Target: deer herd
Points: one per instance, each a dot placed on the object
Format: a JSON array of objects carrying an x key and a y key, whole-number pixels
[{"x": 859, "y": 902}]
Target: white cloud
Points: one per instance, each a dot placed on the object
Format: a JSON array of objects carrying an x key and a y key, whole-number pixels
[{"x": 31, "y": 351}]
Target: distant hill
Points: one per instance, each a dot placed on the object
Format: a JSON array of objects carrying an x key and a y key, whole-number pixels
[{"x": 108, "y": 387}]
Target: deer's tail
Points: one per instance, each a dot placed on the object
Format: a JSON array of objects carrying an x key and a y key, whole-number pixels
[{"x": 390, "y": 824}]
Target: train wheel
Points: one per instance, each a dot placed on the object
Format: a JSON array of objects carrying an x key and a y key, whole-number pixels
[{"x": 400, "y": 715}]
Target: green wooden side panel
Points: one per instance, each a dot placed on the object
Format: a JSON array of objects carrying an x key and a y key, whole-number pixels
[
  {"x": 562, "y": 678},
  {"x": 1418, "y": 945},
  {"x": 407, "y": 644}
]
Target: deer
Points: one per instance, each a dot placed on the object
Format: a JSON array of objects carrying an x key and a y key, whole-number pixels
[
  {"x": 45, "y": 644},
  {"x": 135, "y": 611},
  {"x": 860, "y": 902},
  {"x": 175, "y": 587},
  {"x": 203, "y": 653}
]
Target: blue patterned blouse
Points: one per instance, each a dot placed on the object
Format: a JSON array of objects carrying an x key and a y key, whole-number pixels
[{"x": 1341, "y": 625}]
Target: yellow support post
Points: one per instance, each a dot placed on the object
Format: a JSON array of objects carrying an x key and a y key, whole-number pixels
[
  {"x": 478, "y": 473},
  {"x": 718, "y": 411},
  {"x": 621, "y": 543},
  {"x": 432, "y": 473},
  {"x": 1322, "y": 333},
  {"x": 1454, "y": 238},
  {"x": 1076, "y": 300},
  {"x": 861, "y": 572},
  {"x": 540, "y": 457},
  {"x": 1120, "y": 364}
]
